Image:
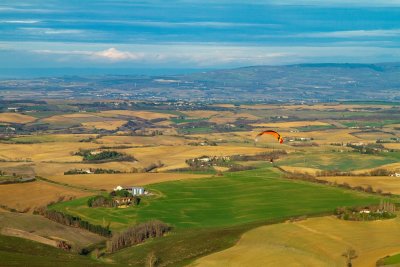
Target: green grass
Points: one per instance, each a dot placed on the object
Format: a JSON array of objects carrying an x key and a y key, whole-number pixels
[
  {"x": 315, "y": 128},
  {"x": 391, "y": 260},
  {"x": 20, "y": 252},
  {"x": 346, "y": 161},
  {"x": 196, "y": 130},
  {"x": 177, "y": 120},
  {"x": 376, "y": 124},
  {"x": 237, "y": 198}
]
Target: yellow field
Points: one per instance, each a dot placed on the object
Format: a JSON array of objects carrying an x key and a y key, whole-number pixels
[
  {"x": 75, "y": 118},
  {"x": 106, "y": 125},
  {"x": 313, "y": 242},
  {"x": 34, "y": 194},
  {"x": 48, "y": 169},
  {"x": 292, "y": 124},
  {"x": 110, "y": 181},
  {"x": 311, "y": 171},
  {"x": 175, "y": 156},
  {"x": 373, "y": 136},
  {"x": 392, "y": 146},
  {"x": 384, "y": 183},
  {"x": 16, "y": 118},
  {"x": 147, "y": 115},
  {"x": 141, "y": 140},
  {"x": 203, "y": 113},
  {"x": 57, "y": 151}
]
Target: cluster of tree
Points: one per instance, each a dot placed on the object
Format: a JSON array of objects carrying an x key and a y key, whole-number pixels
[
  {"x": 101, "y": 201},
  {"x": 385, "y": 210},
  {"x": 204, "y": 143},
  {"x": 148, "y": 168},
  {"x": 206, "y": 161},
  {"x": 367, "y": 148},
  {"x": 104, "y": 156},
  {"x": 112, "y": 200},
  {"x": 391, "y": 140},
  {"x": 137, "y": 234},
  {"x": 73, "y": 221},
  {"x": 91, "y": 170}
]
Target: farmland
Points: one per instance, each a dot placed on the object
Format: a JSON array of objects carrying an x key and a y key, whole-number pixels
[
  {"x": 151, "y": 145},
  {"x": 279, "y": 247}
]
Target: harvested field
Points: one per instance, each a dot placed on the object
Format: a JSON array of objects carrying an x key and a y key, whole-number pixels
[
  {"x": 299, "y": 244},
  {"x": 392, "y": 146},
  {"x": 43, "y": 227},
  {"x": 106, "y": 125},
  {"x": 16, "y": 118},
  {"x": 56, "y": 151},
  {"x": 141, "y": 140},
  {"x": 292, "y": 124},
  {"x": 110, "y": 181},
  {"x": 147, "y": 115},
  {"x": 34, "y": 194},
  {"x": 174, "y": 156}
]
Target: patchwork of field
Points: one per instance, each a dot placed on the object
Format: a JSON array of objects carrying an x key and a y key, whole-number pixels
[
  {"x": 147, "y": 115},
  {"x": 292, "y": 124},
  {"x": 110, "y": 181},
  {"x": 16, "y": 118},
  {"x": 35, "y": 194},
  {"x": 174, "y": 156},
  {"x": 141, "y": 140},
  {"x": 313, "y": 242},
  {"x": 45, "y": 138}
]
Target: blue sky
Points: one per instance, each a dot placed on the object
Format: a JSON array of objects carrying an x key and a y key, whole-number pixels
[{"x": 195, "y": 34}]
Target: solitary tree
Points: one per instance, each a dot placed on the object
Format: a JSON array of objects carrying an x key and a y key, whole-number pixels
[{"x": 349, "y": 254}]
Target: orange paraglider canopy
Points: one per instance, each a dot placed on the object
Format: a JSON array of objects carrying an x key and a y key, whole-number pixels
[{"x": 273, "y": 133}]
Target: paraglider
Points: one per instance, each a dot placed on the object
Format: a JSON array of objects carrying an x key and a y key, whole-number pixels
[{"x": 273, "y": 133}]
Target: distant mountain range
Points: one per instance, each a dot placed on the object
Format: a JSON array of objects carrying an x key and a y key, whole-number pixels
[{"x": 302, "y": 82}]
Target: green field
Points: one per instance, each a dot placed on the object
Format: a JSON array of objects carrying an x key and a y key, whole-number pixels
[
  {"x": 391, "y": 260},
  {"x": 21, "y": 252},
  {"x": 345, "y": 161},
  {"x": 236, "y": 198}
]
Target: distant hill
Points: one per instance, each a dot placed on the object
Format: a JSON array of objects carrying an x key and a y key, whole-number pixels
[{"x": 302, "y": 82}]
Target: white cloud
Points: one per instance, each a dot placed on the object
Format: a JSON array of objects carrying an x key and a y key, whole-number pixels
[
  {"x": 28, "y": 21},
  {"x": 352, "y": 34},
  {"x": 116, "y": 55},
  {"x": 50, "y": 31},
  {"x": 110, "y": 54}
]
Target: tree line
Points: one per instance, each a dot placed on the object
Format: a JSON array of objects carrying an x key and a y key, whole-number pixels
[
  {"x": 137, "y": 234},
  {"x": 73, "y": 221}
]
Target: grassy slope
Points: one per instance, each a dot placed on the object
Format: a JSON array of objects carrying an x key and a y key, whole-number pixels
[
  {"x": 210, "y": 214},
  {"x": 236, "y": 198},
  {"x": 347, "y": 161},
  {"x": 20, "y": 252}
]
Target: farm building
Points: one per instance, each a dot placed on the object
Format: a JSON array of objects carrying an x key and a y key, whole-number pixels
[{"x": 134, "y": 190}]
